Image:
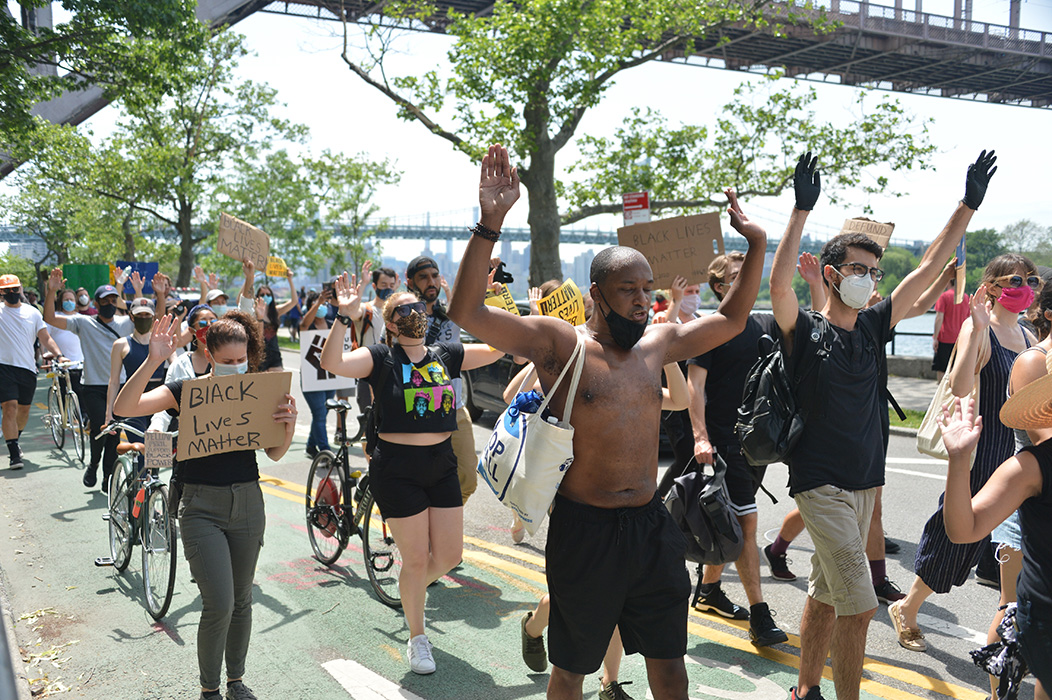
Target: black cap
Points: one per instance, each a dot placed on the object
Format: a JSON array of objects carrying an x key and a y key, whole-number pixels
[{"x": 420, "y": 262}]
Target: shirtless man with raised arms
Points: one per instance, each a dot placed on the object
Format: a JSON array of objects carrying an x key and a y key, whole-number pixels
[{"x": 614, "y": 556}]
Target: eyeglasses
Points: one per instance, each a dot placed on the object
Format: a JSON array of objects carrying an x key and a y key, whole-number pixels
[
  {"x": 1033, "y": 281},
  {"x": 205, "y": 322},
  {"x": 404, "y": 310},
  {"x": 860, "y": 270}
]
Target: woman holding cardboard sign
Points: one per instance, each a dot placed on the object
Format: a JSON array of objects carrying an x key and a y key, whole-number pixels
[
  {"x": 221, "y": 513},
  {"x": 413, "y": 470}
]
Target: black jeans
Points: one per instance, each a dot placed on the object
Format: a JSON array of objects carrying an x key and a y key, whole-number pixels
[{"x": 93, "y": 403}]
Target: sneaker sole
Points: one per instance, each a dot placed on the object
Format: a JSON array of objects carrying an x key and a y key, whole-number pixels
[
  {"x": 789, "y": 577},
  {"x": 701, "y": 607},
  {"x": 759, "y": 641}
]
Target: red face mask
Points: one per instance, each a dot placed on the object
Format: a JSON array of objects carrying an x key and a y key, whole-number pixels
[{"x": 200, "y": 333}]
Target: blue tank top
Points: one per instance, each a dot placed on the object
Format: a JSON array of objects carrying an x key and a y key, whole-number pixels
[{"x": 137, "y": 354}]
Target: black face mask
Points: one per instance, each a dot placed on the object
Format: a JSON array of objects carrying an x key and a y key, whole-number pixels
[
  {"x": 13, "y": 297},
  {"x": 107, "y": 310},
  {"x": 624, "y": 332}
]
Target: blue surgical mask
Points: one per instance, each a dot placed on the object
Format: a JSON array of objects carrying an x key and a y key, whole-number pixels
[
  {"x": 267, "y": 299},
  {"x": 323, "y": 310},
  {"x": 382, "y": 294},
  {"x": 69, "y": 306},
  {"x": 227, "y": 370},
  {"x": 219, "y": 309}
]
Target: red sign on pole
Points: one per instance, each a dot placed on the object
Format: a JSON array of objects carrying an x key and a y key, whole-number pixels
[{"x": 636, "y": 207}]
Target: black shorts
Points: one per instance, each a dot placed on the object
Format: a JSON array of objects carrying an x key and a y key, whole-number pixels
[
  {"x": 409, "y": 479},
  {"x": 271, "y": 355},
  {"x": 942, "y": 357},
  {"x": 615, "y": 567},
  {"x": 742, "y": 485},
  {"x": 17, "y": 383}
]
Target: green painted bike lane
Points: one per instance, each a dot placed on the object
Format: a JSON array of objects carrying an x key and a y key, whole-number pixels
[{"x": 318, "y": 632}]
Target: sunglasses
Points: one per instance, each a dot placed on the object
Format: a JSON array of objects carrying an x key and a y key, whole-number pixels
[
  {"x": 404, "y": 310},
  {"x": 1032, "y": 281},
  {"x": 860, "y": 270},
  {"x": 205, "y": 322}
]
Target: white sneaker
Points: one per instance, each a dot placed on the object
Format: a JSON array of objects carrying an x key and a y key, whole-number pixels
[{"x": 420, "y": 659}]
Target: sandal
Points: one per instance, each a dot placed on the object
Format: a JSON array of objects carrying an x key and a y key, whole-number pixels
[
  {"x": 909, "y": 637},
  {"x": 518, "y": 529}
]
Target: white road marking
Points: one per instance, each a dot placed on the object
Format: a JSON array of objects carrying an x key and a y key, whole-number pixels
[
  {"x": 914, "y": 460},
  {"x": 927, "y": 622},
  {"x": 363, "y": 684},
  {"x": 910, "y": 472}
]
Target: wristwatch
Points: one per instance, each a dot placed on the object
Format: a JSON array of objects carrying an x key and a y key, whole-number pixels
[{"x": 346, "y": 320}]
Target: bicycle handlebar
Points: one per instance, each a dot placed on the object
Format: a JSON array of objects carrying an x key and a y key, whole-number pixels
[{"x": 117, "y": 425}]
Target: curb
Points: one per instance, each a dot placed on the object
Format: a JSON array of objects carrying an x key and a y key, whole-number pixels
[
  {"x": 13, "y": 675},
  {"x": 903, "y": 432}
]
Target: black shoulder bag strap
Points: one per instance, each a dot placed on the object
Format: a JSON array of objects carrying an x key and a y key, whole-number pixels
[
  {"x": 100, "y": 324},
  {"x": 822, "y": 336}
]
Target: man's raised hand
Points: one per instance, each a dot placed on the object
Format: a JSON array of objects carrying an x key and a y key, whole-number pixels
[
  {"x": 751, "y": 230},
  {"x": 498, "y": 186},
  {"x": 55, "y": 280},
  {"x": 679, "y": 286},
  {"x": 807, "y": 183},
  {"x": 979, "y": 174},
  {"x": 809, "y": 268}
]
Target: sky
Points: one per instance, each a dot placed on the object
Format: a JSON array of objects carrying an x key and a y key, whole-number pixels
[{"x": 300, "y": 58}]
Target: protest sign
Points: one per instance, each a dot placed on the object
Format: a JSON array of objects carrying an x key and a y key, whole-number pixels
[
  {"x": 243, "y": 241},
  {"x": 236, "y": 412},
  {"x": 502, "y": 300},
  {"x": 276, "y": 267},
  {"x": 880, "y": 233},
  {"x": 682, "y": 245},
  {"x": 91, "y": 277},
  {"x": 146, "y": 269},
  {"x": 565, "y": 302},
  {"x": 958, "y": 294},
  {"x": 158, "y": 449},
  {"x": 312, "y": 376}
]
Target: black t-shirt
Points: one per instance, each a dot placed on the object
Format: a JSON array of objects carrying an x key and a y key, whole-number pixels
[
  {"x": 417, "y": 397},
  {"x": 1035, "y": 516},
  {"x": 728, "y": 367},
  {"x": 842, "y": 443},
  {"x": 214, "y": 470}
]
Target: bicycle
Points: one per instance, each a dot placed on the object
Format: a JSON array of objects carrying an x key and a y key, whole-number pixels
[
  {"x": 340, "y": 505},
  {"x": 63, "y": 408},
  {"x": 140, "y": 515}
]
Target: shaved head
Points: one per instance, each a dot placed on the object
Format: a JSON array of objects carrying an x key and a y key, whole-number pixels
[{"x": 614, "y": 259}]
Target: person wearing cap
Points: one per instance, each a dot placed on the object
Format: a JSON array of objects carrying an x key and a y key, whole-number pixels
[
  {"x": 127, "y": 354},
  {"x": 423, "y": 279},
  {"x": 218, "y": 301},
  {"x": 20, "y": 326},
  {"x": 97, "y": 334}
]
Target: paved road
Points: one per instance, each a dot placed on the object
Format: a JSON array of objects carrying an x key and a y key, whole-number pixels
[{"x": 320, "y": 633}]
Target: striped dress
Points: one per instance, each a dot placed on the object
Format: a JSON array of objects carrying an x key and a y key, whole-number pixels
[{"x": 941, "y": 564}]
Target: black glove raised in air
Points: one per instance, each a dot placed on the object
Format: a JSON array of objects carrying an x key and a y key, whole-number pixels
[
  {"x": 807, "y": 182},
  {"x": 979, "y": 174}
]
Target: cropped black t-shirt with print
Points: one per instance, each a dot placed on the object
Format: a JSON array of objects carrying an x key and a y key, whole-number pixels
[
  {"x": 417, "y": 397},
  {"x": 214, "y": 470}
]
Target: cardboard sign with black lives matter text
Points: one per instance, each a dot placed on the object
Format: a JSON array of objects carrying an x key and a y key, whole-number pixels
[
  {"x": 880, "y": 233},
  {"x": 680, "y": 246},
  {"x": 565, "y": 302},
  {"x": 243, "y": 241},
  {"x": 236, "y": 412}
]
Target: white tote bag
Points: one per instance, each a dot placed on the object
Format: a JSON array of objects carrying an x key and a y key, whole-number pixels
[{"x": 526, "y": 457}]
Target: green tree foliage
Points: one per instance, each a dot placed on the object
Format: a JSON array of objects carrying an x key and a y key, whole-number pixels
[
  {"x": 115, "y": 44},
  {"x": 896, "y": 263},
  {"x": 526, "y": 73},
  {"x": 982, "y": 246},
  {"x": 24, "y": 268},
  {"x": 1030, "y": 239}
]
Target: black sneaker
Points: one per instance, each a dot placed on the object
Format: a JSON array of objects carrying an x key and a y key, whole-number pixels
[
  {"x": 237, "y": 690},
  {"x": 614, "y": 691},
  {"x": 533, "y": 652},
  {"x": 888, "y": 593},
  {"x": 90, "y": 476},
  {"x": 779, "y": 565},
  {"x": 814, "y": 693},
  {"x": 718, "y": 602},
  {"x": 762, "y": 630},
  {"x": 16, "y": 461},
  {"x": 890, "y": 546},
  {"x": 312, "y": 452}
]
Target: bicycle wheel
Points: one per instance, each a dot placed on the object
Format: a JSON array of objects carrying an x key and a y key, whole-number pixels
[
  {"x": 158, "y": 552},
  {"x": 383, "y": 561},
  {"x": 120, "y": 523},
  {"x": 55, "y": 417},
  {"x": 325, "y": 508},
  {"x": 75, "y": 425}
]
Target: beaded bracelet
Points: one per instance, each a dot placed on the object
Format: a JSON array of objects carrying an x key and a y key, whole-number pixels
[{"x": 483, "y": 232}]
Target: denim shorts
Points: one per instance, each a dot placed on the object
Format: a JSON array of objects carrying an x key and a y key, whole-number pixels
[{"x": 1009, "y": 532}]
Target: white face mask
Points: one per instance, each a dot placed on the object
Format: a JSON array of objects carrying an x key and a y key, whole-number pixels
[
  {"x": 689, "y": 304},
  {"x": 227, "y": 370},
  {"x": 855, "y": 291},
  {"x": 219, "y": 309}
]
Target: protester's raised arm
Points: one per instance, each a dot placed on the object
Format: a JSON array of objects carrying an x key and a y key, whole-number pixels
[
  {"x": 530, "y": 336},
  {"x": 932, "y": 293},
  {"x": 131, "y": 401},
  {"x": 359, "y": 362},
  {"x": 807, "y": 186},
  {"x": 55, "y": 282},
  {"x": 811, "y": 271},
  {"x": 970, "y": 345}
]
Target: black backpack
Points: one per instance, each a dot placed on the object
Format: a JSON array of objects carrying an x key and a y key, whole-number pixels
[
  {"x": 771, "y": 417},
  {"x": 700, "y": 505}
]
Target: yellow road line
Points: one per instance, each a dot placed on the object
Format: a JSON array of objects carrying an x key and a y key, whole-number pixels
[{"x": 503, "y": 566}]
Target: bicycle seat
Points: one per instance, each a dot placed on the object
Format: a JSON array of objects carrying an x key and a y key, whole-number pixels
[
  {"x": 337, "y": 405},
  {"x": 126, "y": 447}
]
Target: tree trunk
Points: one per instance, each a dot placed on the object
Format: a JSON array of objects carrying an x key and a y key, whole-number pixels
[
  {"x": 539, "y": 179},
  {"x": 129, "y": 238},
  {"x": 186, "y": 244}
]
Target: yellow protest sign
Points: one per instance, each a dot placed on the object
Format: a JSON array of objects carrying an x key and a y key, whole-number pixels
[
  {"x": 276, "y": 267},
  {"x": 224, "y": 414},
  {"x": 502, "y": 300},
  {"x": 565, "y": 302}
]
